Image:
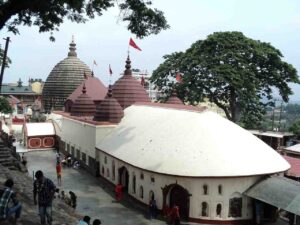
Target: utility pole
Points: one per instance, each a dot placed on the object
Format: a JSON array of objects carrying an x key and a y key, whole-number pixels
[
  {"x": 280, "y": 115},
  {"x": 3, "y": 62},
  {"x": 273, "y": 117}
]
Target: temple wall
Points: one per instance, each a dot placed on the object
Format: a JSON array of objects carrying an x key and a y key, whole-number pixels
[{"x": 153, "y": 182}]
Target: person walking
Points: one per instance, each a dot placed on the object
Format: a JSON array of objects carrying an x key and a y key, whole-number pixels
[
  {"x": 85, "y": 221},
  {"x": 57, "y": 157},
  {"x": 118, "y": 192},
  {"x": 44, "y": 189},
  {"x": 174, "y": 216},
  {"x": 23, "y": 159},
  {"x": 58, "y": 173},
  {"x": 9, "y": 203},
  {"x": 152, "y": 208}
]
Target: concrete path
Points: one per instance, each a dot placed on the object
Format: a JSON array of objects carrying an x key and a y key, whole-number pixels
[{"x": 94, "y": 199}]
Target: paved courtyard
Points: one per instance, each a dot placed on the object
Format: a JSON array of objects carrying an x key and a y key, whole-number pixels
[{"x": 94, "y": 198}]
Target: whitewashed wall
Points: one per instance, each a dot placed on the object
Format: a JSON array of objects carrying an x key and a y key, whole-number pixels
[
  {"x": 83, "y": 136},
  {"x": 230, "y": 187}
]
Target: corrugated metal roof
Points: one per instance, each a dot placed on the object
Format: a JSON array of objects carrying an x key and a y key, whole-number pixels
[
  {"x": 271, "y": 133},
  {"x": 8, "y": 89},
  {"x": 294, "y": 148},
  {"x": 278, "y": 191}
]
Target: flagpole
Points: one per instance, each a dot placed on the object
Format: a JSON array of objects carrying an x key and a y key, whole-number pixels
[{"x": 128, "y": 49}]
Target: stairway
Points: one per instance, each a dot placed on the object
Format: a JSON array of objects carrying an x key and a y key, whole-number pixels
[{"x": 6, "y": 158}]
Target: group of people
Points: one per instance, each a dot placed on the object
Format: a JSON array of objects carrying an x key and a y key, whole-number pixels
[
  {"x": 68, "y": 161},
  {"x": 43, "y": 193},
  {"x": 86, "y": 221}
]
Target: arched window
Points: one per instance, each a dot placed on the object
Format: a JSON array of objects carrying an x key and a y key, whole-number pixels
[
  {"x": 105, "y": 159},
  {"x": 113, "y": 170},
  {"x": 142, "y": 176},
  {"x": 220, "y": 189},
  {"x": 151, "y": 195},
  {"x": 107, "y": 172},
  {"x": 235, "y": 205},
  {"x": 102, "y": 170},
  {"x": 133, "y": 183},
  {"x": 204, "y": 211},
  {"x": 205, "y": 189},
  {"x": 141, "y": 192},
  {"x": 219, "y": 210}
]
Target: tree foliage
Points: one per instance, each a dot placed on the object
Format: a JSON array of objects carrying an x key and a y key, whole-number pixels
[
  {"x": 230, "y": 70},
  {"x": 295, "y": 128},
  {"x": 48, "y": 15},
  {"x": 5, "y": 106},
  {"x": 293, "y": 109}
]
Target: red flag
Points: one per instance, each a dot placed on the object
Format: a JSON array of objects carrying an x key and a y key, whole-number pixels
[
  {"x": 178, "y": 78},
  {"x": 110, "y": 71},
  {"x": 143, "y": 81},
  {"x": 133, "y": 44}
]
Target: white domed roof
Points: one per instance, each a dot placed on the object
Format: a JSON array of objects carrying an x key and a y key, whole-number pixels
[{"x": 188, "y": 143}]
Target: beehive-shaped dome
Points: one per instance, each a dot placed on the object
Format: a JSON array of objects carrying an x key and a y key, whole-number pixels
[
  {"x": 94, "y": 89},
  {"x": 63, "y": 80},
  {"x": 109, "y": 110},
  {"x": 83, "y": 105},
  {"x": 173, "y": 99},
  {"x": 127, "y": 90}
]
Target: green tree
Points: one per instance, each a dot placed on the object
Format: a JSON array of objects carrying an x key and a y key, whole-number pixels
[
  {"x": 49, "y": 14},
  {"x": 230, "y": 70},
  {"x": 5, "y": 106},
  {"x": 295, "y": 128},
  {"x": 293, "y": 109}
]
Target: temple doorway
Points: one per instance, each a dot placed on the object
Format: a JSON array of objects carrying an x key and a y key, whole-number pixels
[
  {"x": 124, "y": 178},
  {"x": 179, "y": 197}
]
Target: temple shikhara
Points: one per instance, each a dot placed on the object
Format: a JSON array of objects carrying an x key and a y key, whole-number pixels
[{"x": 178, "y": 154}]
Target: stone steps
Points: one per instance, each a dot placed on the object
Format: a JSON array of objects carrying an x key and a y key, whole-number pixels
[
  {"x": 7, "y": 164},
  {"x": 7, "y": 159},
  {"x": 5, "y": 156}
]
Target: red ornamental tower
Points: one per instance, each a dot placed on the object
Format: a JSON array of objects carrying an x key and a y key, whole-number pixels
[
  {"x": 127, "y": 90},
  {"x": 83, "y": 105},
  {"x": 109, "y": 110}
]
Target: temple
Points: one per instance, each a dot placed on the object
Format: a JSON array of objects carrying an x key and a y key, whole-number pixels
[{"x": 176, "y": 153}]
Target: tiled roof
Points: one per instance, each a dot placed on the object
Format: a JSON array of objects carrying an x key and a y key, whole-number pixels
[
  {"x": 94, "y": 88},
  {"x": 109, "y": 110},
  {"x": 127, "y": 90},
  {"x": 83, "y": 105},
  {"x": 174, "y": 99},
  {"x": 8, "y": 89},
  {"x": 294, "y": 171}
]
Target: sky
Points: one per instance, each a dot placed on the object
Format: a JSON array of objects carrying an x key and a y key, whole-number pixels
[{"x": 105, "y": 39}]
